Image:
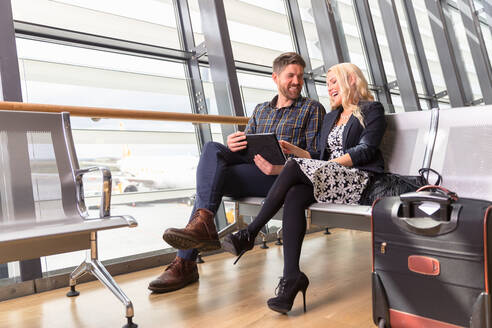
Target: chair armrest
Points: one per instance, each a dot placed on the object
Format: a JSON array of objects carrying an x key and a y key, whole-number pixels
[{"x": 104, "y": 208}]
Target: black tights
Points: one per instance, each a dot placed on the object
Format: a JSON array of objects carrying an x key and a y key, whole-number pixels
[{"x": 295, "y": 191}]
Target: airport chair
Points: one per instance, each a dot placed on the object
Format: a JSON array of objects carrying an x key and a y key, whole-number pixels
[{"x": 42, "y": 208}]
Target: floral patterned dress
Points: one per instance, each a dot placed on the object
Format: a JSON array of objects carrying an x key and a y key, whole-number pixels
[{"x": 334, "y": 183}]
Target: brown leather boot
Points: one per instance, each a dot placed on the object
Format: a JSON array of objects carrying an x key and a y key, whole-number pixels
[
  {"x": 200, "y": 233},
  {"x": 177, "y": 275}
]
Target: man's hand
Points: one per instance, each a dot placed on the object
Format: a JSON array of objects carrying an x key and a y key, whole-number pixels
[
  {"x": 266, "y": 167},
  {"x": 289, "y": 148},
  {"x": 236, "y": 141}
]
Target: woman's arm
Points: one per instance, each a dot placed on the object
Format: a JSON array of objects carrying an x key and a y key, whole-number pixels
[
  {"x": 371, "y": 136},
  {"x": 289, "y": 148},
  {"x": 344, "y": 160}
]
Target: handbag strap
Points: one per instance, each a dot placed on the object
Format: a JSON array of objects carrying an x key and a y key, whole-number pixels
[
  {"x": 424, "y": 170},
  {"x": 443, "y": 190}
]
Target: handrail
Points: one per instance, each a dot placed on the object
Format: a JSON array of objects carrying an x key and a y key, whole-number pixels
[{"x": 99, "y": 112}]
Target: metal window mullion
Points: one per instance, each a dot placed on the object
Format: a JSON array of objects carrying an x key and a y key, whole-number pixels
[
  {"x": 477, "y": 48},
  {"x": 192, "y": 71},
  {"x": 418, "y": 47},
  {"x": 96, "y": 42},
  {"x": 300, "y": 44},
  {"x": 223, "y": 71},
  {"x": 455, "y": 77},
  {"x": 11, "y": 91},
  {"x": 221, "y": 60},
  {"x": 328, "y": 25},
  {"x": 9, "y": 66},
  {"x": 370, "y": 42},
  {"x": 399, "y": 55}
]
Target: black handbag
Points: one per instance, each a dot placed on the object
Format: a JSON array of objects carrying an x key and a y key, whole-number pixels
[{"x": 390, "y": 184}]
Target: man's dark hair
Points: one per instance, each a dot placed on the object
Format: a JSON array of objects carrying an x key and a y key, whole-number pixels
[{"x": 286, "y": 59}]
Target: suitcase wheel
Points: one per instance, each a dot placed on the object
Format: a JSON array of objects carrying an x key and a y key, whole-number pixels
[{"x": 382, "y": 323}]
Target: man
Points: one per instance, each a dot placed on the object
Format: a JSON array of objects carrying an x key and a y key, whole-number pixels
[{"x": 223, "y": 171}]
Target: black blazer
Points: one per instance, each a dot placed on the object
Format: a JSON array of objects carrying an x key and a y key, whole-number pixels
[{"x": 361, "y": 143}]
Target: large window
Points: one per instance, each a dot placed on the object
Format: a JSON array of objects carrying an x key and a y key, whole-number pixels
[
  {"x": 259, "y": 30},
  {"x": 144, "y": 21},
  {"x": 353, "y": 37},
  {"x": 464, "y": 48},
  {"x": 153, "y": 162}
]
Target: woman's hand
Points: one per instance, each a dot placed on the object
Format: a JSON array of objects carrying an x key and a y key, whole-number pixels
[
  {"x": 289, "y": 148},
  {"x": 266, "y": 167},
  {"x": 344, "y": 160}
]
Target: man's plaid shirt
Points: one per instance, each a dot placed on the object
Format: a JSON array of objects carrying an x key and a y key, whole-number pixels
[{"x": 298, "y": 124}]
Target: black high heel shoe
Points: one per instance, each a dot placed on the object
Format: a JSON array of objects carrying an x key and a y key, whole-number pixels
[
  {"x": 286, "y": 292},
  {"x": 238, "y": 243}
]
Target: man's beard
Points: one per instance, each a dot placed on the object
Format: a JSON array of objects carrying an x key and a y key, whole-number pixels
[{"x": 289, "y": 95}]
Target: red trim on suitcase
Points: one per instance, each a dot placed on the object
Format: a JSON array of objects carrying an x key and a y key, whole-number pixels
[
  {"x": 400, "y": 319},
  {"x": 424, "y": 265},
  {"x": 485, "y": 249},
  {"x": 372, "y": 231},
  {"x": 450, "y": 194}
]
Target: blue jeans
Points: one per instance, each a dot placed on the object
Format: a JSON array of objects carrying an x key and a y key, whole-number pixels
[{"x": 221, "y": 172}]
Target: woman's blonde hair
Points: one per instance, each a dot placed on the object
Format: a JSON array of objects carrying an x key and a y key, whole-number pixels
[{"x": 352, "y": 93}]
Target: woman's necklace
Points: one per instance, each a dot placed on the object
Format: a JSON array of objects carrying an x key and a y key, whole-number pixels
[{"x": 345, "y": 116}]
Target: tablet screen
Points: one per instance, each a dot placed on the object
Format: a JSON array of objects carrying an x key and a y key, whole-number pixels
[{"x": 265, "y": 144}]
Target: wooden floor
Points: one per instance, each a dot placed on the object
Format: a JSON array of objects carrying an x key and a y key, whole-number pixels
[{"x": 339, "y": 294}]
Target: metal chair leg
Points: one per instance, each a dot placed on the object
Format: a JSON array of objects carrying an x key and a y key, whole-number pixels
[
  {"x": 263, "y": 240},
  {"x": 279, "y": 239},
  {"x": 100, "y": 272},
  {"x": 93, "y": 266},
  {"x": 77, "y": 273}
]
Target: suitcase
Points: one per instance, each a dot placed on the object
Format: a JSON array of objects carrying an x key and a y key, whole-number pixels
[{"x": 430, "y": 260}]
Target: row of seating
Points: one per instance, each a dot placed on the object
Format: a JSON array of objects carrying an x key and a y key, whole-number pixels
[{"x": 453, "y": 142}]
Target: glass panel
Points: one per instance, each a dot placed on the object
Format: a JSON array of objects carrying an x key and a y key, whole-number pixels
[
  {"x": 382, "y": 41},
  {"x": 486, "y": 29},
  {"x": 429, "y": 45},
  {"x": 409, "y": 47},
  {"x": 256, "y": 89},
  {"x": 145, "y": 21},
  {"x": 257, "y": 40},
  {"x": 260, "y": 40},
  {"x": 153, "y": 163},
  {"x": 460, "y": 33},
  {"x": 323, "y": 96},
  {"x": 352, "y": 36},
  {"x": 310, "y": 33}
]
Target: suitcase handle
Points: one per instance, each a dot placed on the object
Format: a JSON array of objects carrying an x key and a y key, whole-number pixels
[
  {"x": 427, "y": 226},
  {"x": 444, "y": 200},
  {"x": 426, "y": 196}
]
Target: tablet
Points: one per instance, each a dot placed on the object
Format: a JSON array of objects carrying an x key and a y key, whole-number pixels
[{"x": 265, "y": 144}]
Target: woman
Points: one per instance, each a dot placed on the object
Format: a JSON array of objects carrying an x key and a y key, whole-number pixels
[{"x": 338, "y": 173}]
